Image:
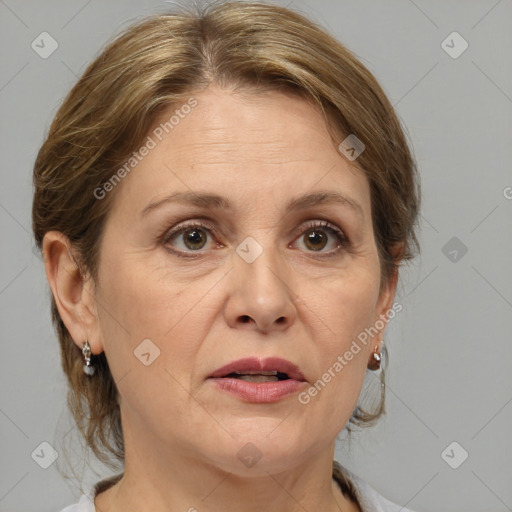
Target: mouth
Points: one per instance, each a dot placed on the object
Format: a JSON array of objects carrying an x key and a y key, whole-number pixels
[
  {"x": 259, "y": 376},
  {"x": 259, "y": 381},
  {"x": 252, "y": 369}
]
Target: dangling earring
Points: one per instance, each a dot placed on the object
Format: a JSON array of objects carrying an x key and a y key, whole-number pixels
[
  {"x": 375, "y": 361},
  {"x": 86, "y": 351}
]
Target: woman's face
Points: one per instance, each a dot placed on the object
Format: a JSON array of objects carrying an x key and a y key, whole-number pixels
[{"x": 185, "y": 288}]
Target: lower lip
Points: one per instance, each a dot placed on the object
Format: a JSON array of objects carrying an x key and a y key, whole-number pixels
[{"x": 260, "y": 392}]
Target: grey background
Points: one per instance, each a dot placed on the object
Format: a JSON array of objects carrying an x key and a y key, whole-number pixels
[{"x": 449, "y": 376}]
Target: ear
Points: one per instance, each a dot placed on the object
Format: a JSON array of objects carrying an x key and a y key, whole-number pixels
[
  {"x": 74, "y": 292},
  {"x": 388, "y": 289}
]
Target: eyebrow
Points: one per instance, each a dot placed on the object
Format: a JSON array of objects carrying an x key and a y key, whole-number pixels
[{"x": 214, "y": 201}]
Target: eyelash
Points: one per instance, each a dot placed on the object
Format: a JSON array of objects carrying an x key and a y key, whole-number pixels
[{"x": 327, "y": 226}]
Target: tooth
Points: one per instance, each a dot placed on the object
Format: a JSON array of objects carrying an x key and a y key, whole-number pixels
[
  {"x": 258, "y": 378},
  {"x": 256, "y": 373}
]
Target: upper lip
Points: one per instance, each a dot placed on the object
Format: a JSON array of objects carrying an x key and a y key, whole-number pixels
[{"x": 254, "y": 364}]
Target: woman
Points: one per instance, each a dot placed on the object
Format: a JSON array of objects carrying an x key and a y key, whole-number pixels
[{"x": 223, "y": 202}]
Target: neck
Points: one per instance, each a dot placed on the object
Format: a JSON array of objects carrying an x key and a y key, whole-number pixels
[{"x": 156, "y": 481}]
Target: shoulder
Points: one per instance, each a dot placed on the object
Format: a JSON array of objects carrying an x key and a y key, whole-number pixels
[
  {"x": 86, "y": 501},
  {"x": 85, "y": 504},
  {"x": 369, "y": 499}
]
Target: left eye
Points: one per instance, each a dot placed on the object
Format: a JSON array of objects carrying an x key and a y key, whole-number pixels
[
  {"x": 315, "y": 237},
  {"x": 193, "y": 237}
]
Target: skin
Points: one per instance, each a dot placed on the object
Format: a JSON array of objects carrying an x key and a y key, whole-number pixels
[{"x": 182, "y": 434}]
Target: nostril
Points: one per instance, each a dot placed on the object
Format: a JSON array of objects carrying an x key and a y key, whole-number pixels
[{"x": 245, "y": 319}]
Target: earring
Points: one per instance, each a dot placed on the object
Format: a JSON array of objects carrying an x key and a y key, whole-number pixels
[
  {"x": 375, "y": 361},
  {"x": 86, "y": 351}
]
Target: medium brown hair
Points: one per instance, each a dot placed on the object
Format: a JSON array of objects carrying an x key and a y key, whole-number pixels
[{"x": 161, "y": 61}]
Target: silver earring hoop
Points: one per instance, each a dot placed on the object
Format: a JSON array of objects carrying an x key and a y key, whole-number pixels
[{"x": 88, "y": 367}]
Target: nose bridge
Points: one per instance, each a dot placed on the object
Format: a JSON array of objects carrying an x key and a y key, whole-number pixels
[
  {"x": 260, "y": 281},
  {"x": 260, "y": 260}
]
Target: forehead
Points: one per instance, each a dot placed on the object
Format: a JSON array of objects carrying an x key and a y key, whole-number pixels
[
  {"x": 235, "y": 122},
  {"x": 244, "y": 145}
]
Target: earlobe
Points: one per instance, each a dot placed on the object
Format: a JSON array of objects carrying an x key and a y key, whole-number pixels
[{"x": 72, "y": 290}]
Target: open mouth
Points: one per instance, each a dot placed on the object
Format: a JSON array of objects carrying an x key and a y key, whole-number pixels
[
  {"x": 261, "y": 376},
  {"x": 257, "y": 380},
  {"x": 253, "y": 369}
]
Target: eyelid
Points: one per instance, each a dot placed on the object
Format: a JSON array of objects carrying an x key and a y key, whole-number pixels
[
  {"x": 200, "y": 223},
  {"x": 319, "y": 223},
  {"x": 303, "y": 228}
]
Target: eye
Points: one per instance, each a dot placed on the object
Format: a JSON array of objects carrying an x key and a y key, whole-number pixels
[
  {"x": 189, "y": 237},
  {"x": 319, "y": 235}
]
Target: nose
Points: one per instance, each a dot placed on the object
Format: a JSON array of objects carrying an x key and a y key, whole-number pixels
[{"x": 261, "y": 297}]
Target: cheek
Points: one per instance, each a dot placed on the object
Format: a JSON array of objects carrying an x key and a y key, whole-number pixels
[
  {"x": 141, "y": 303},
  {"x": 151, "y": 327},
  {"x": 346, "y": 307},
  {"x": 140, "y": 293}
]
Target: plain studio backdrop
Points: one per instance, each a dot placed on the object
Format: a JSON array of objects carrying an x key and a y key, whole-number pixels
[{"x": 444, "y": 444}]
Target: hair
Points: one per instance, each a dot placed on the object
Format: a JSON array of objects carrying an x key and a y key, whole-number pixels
[{"x": 159, "y": 62}]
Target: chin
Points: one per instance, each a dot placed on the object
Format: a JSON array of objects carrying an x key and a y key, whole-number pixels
[
  {"x": 260, "y": 451},
  {"x": 250, "y": 461}
]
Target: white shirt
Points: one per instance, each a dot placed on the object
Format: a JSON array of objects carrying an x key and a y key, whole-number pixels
[{"x": 369, "y": 499}]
